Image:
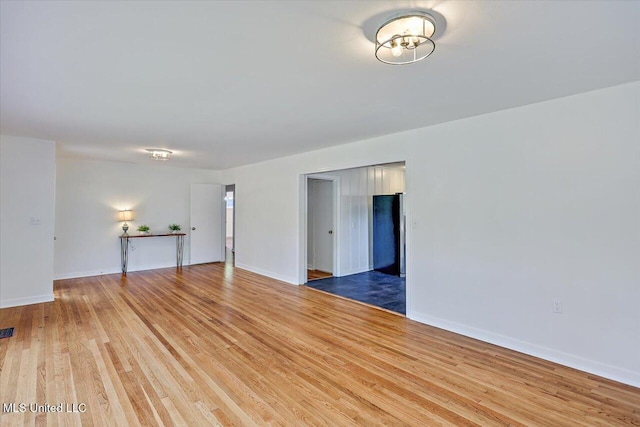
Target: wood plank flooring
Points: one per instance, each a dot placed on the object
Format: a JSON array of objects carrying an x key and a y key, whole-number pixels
[
  {"x": 317, "y": 274},
  {"x": 210, "y": 345}
]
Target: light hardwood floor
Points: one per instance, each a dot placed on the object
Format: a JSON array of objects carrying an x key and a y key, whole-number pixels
[
  {"x": 317, "y": 274},
  {"x": 210, "y": 345}
]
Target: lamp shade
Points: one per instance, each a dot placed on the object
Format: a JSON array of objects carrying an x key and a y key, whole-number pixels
[{"x": 126, "y": 215}]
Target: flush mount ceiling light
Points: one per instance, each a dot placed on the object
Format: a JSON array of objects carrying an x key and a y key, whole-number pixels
[
  {"x": 159, "y": 154},
  {"x": 406, "y": 38}
]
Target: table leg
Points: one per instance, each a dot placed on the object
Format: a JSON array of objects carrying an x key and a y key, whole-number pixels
[
  {"x": 179, "y": 250},
  {"x": 124, "y": 253}
]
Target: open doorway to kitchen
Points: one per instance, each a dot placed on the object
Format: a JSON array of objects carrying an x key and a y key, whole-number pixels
[{"x": 368, "y": 233}]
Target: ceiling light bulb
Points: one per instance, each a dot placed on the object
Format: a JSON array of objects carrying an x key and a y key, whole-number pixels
[{"x": 396, "y": 49}]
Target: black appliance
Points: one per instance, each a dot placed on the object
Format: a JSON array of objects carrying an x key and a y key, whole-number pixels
[{"x": 389, "y": 234}]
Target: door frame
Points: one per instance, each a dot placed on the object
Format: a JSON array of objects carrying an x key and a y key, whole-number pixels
[
  {"x": 304, "y": 226},
  {"x": 224, "y": 222}
]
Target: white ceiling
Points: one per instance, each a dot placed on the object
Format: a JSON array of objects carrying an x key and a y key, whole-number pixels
[{"x": 230, "y": 83}]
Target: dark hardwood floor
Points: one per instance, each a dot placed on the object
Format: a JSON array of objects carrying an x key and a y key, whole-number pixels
[{"x": 210, "y": 344}]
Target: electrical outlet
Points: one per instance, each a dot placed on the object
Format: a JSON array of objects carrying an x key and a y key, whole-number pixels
[
  {"x": 35, "y": 220},
  {"x": 557, "y": 306}
]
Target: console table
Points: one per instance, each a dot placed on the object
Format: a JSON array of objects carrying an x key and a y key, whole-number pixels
[{"x": 124, "y": 247}]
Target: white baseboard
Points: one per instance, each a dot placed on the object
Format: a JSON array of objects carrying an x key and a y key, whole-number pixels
[
  {"x": 90, "y": 273},
  {"x": 354, "y": 271},
  {"x": 270, "y": 274},
  {"x": 26, "y": 301},
  {"x": 591, "y": 366},
  {"x": 78, "y": 274}
]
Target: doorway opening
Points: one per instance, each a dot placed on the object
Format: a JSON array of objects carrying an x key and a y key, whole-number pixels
[
  {"x": 320, "y": 228},
  {"x": 230, "y": 224},
  {"x": 369, "y": 234}
]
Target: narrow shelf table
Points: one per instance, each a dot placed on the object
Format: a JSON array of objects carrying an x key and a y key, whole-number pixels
[{"x": 124, "y": 247}]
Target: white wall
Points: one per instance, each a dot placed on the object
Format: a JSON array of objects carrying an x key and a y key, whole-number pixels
[
  {"x": 89, "y": 194},
  {"x": 353, "y": 217},
  {"x": 527, "y": 205},
  {"x": 27, "y": 176},
  {"x": 507, "y": 211}
]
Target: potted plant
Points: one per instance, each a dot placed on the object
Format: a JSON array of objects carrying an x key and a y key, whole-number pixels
[
  {"x": 143, "y": 229},
  {"x": 174, "y": 228}
]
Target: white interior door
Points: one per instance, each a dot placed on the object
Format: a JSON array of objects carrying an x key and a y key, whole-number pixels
[
  {"x": 323, "y": 225},
  {"x": 206, "y": 223}
]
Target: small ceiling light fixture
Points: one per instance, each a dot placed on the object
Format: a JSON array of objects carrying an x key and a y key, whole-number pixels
[
  {"x": 406, "y": 38},
  {"x": 159, "y": 154}
]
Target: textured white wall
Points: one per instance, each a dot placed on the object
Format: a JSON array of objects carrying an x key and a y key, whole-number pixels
[
  {"x": 27, "y": 176},
  {"x": 507, "y": 211},
  {"x": 89, "y": 194}
]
